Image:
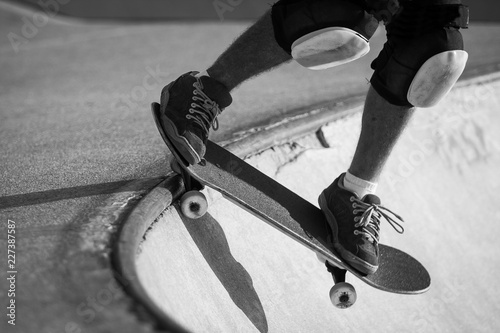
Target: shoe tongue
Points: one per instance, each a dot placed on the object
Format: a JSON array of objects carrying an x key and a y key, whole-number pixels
[
  {"x": 216, "y": 91},
  {"x": 371, "y": 199}
]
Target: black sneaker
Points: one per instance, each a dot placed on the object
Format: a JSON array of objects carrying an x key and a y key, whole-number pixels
[
  {"x": 355, "y": 225},
  {"x": 189, "y": 108}
]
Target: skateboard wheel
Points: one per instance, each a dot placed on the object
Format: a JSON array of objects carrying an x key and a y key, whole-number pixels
[
  {"x": 343, "y": 295},
  {"x": 175, "y": 166},
  {"x": 194, "y": 204}
]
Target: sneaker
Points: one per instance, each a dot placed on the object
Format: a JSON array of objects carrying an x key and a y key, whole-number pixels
[
  {"x": 189, "y": 108},
  {"x": 355, "y": 225}
]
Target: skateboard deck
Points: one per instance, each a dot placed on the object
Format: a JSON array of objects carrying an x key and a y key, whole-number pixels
[{"x": 294, "y": 216}]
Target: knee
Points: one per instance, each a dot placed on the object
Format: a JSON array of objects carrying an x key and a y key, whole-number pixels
[{"x": 420, "y": 72}]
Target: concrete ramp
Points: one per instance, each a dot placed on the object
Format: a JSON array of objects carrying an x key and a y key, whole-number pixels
[{"x": 231, "y": 272}]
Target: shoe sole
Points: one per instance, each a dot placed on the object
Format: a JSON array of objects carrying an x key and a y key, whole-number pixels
[
  {"x": 169, "y": 132},
  {"x": 360, "y": 265},
  {"x": 180, "y": 143}
]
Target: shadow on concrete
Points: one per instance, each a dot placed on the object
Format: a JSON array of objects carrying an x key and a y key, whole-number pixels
[
  {"x": 210, "y": 239},
  {"x": 41, "y": 197}
]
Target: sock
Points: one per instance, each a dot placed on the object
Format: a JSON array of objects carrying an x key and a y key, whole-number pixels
[
  {"x": 200, "y": 74},
  {"x": 359, "y": 186}
]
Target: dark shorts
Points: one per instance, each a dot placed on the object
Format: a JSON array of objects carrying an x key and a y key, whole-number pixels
[
  {"x": 412, "y": 38},
  {"x": 293, "y": 19}
]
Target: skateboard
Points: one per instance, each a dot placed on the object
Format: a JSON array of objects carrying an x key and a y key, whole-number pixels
[{"x": 273, "y": 203}]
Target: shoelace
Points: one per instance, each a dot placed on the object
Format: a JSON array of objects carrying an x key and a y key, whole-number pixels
[
  {"x": 372, "y": 213},
  {"x": 207, "y": 112}
]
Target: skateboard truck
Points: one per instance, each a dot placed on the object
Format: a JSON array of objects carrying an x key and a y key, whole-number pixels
[
  {"x": 193, "y": 203},
  {"x": 342, "y": 294}
]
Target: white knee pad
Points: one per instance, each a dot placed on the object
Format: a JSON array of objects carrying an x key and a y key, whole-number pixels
[
  {"x": 436, "y": 77},
  {"x": 329, "y": 47}
]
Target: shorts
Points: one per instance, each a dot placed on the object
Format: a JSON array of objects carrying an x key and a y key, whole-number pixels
[
  {"x": 293, "y": 19},
  {"x": 413, "y": 36}
]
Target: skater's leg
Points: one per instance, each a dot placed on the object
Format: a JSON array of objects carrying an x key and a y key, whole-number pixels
[
  {"x": 251, "y": 54},
  {"x": 417, "y": 66},
  {"x": 382, "y": 125}
]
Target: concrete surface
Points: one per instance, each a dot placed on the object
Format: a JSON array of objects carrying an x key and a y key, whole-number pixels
[
  {"x": 79, "y": 148},
  {"x": 231, "y": 272},
  {"x": 481, "y": 10}
]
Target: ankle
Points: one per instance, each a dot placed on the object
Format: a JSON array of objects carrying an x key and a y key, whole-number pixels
[
  {"x": 358, "y": 185},
  {"x": 222, "y": 77}
]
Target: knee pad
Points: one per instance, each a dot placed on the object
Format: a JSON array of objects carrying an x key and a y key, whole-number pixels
[
  {"x": 321, "y": 34},
  {"x": 436, "y": 77},
  {"x": 329, "y": 47}
]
